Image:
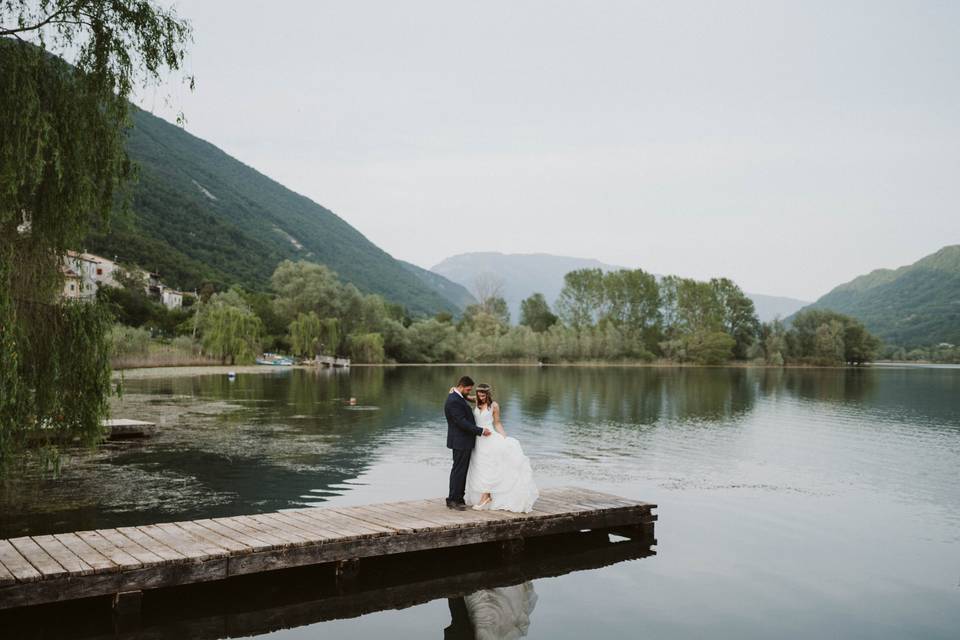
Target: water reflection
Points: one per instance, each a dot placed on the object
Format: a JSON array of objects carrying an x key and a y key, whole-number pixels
[
  {"x": 488, "y": 595},
  {"x": 289, "y": 438},
  {"x": 502, "y": 613}
]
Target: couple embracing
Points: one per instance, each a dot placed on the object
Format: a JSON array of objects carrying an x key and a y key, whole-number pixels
[{"x": 490, "y": 470}]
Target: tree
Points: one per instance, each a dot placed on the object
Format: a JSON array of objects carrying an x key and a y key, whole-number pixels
[
  {"x": 709, "y": 347},
  {"x": 231, "y": 330},
  {"x": 62, "y": 154},
  {"x": 535, "y": 313},
  {"x": 737, "y": 315},
  {"x": 486, "y": 287},
  {"x": 698, "y": 307},
  {"x": 581, "y": 298},
  {"x": 774, "y": 339},
  {"x": 366, "y": 347},
  {"x": 306, "y": 286},
  {"x": 632, "y": 305},
  {"x": 306, "y": 334},
  {"x": 860, "y": 345},
  {"x": 827, "y": 337}
]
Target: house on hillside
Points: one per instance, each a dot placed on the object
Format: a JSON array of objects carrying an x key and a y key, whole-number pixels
[
  {"x": 171, "y": 298},
  {"x": 104, "y": 271},
  {"x": 83, "y": 269},
  {"x": 93, "y": 271},
  {"x": 72, "y": 284},
  {"x": 84, "y": 273}
]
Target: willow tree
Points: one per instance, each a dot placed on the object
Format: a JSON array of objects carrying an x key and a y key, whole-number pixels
[
  {"x": 305, "y": 334},
  {"x": 232, "y": 334},
  {"x": 62, "y": 168}
]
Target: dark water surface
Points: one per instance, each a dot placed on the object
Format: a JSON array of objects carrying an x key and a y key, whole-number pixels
[{"x": 795, "y": 503}]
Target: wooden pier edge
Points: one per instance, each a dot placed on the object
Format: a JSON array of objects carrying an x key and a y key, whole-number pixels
[{"x": 42, "y": 569}]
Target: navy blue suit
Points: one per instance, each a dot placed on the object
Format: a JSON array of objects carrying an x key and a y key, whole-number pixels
[{"x": 462, "y": 432}]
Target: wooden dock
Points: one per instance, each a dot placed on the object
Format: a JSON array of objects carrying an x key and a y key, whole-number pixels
[
  {"x": 128, "y": 560},
  {"x": 126, "y": 428}
]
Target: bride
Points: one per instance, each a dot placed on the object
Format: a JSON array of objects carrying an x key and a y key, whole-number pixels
[{"x": 499, "y": 476}]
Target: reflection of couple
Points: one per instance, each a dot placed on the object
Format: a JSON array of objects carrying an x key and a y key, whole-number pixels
[
  {"x": 489, "y": 469},
  {"x": 502, "y": 613}
]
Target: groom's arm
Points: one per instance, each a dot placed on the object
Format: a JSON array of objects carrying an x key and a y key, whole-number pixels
[{"x": 459, "y": 415}]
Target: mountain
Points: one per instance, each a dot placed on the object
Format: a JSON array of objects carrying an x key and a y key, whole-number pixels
[
  {"x": 915, "y": 305},
  {"x": 201, "y": 215},
  {"x": 526, "y": 274},
  {"x": 456, "y": 293},
  {"x": 522, "y": 274}
]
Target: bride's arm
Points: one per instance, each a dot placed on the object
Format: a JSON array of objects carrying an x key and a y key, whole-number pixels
[{"x": 496, "y": 420}]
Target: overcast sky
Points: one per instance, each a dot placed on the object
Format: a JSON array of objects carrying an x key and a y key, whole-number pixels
[{"x": 789, "y": 146}]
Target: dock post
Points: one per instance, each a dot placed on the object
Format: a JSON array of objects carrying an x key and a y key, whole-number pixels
[
  {"x": 126, "y": 610},
  {"x": 347, "y": 572}
]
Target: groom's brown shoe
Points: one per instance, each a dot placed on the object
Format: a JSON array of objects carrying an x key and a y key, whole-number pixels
[{"x": 457, "y": 506}]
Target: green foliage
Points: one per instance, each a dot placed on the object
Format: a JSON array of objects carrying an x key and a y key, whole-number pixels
[
  {"x": 535, "y": 313},
  {"x": 231, "y": 331},
  {"x": 56, "y": 377},
  {"x": 490, "y": 318},
  {"x": 129, "y": 341},
  {"x": 200, "y": 215},
  {"x": 61, "y": 160},
  {"x": 819, "y": 337},
  {"x": 366, "y": 347},
  {"x": 310, "y": 335},
  {"x": 305, "y": 286},
  {"x": 132, "y": 306},
  {"x": 306, "y": 335},
  {"x": 708, "y": 347},
  {"x": 738, "y": 318},
  {"x": 913, "y": 306},
  {"x": 581, "y": 298}
]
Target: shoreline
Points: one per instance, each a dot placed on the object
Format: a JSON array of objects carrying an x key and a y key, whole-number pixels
[{"x": 145, "y": 373}]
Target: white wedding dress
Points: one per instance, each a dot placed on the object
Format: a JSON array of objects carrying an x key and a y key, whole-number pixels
[
  {"x": 499, "y": 467},
  {"x": 502, "y": 613}
]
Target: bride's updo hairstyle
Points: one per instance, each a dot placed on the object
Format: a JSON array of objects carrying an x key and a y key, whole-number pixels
[{"x": 484, "y": 388}]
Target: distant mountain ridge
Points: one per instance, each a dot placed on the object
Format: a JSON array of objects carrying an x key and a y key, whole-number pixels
[
  {"x": 524, "y": 274},
  {"x": 914, "y": 305},
  {"x": 201, "y": 215}
]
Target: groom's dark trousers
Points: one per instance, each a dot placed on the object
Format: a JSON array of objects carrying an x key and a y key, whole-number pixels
[{"x": 462, "y": 432}]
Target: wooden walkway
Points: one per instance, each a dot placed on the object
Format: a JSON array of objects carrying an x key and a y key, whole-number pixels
[{"x": 67, "y": 566}]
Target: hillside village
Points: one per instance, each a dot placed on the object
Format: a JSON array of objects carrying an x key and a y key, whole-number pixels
[{"x": 85, "y": 273}]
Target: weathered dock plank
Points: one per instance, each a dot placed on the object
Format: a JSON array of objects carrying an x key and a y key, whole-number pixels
[
  {"x": 97, "y": 562},
  {"x": 40, "y": 559},
  {"x": 16, "y": 564},
  {"x": 66, "y": 566}
]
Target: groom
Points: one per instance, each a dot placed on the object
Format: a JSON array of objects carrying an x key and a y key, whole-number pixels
[{"x": 462, "y": 432}]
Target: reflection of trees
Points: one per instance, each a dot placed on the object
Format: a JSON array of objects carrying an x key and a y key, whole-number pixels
[
  {"x": 831, "y": 385},
  {"x": 641, "y": 395}
]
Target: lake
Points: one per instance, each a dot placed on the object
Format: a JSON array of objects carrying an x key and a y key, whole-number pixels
[{"x": 792, "y": 503}]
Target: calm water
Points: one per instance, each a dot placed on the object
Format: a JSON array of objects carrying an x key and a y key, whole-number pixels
[{"x": 820, "y": 503}]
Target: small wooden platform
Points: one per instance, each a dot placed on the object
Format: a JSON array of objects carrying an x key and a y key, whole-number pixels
[
  {"x": 66, "y": 566},
  {"x": 126, "y": 428}
]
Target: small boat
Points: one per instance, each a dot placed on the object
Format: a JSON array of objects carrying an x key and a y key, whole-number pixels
[{"x": 275, "y": 360}]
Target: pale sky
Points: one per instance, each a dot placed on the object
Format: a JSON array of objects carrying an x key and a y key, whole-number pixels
[{"x": 789, "y": 146}]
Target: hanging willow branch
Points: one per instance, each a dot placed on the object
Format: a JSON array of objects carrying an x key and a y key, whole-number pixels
[{"x": 63, "y": 167}]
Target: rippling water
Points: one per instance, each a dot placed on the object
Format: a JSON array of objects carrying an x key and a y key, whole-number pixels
[{"x": 815, "y": 503}]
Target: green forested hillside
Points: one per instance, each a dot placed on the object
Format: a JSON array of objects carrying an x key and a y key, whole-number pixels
[
  {"x": 200, "y": 215},
  {"x": 915, "y": 305}
]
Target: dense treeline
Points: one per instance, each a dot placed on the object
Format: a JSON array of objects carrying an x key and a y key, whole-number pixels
[{"x": 618, "y": 316}]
